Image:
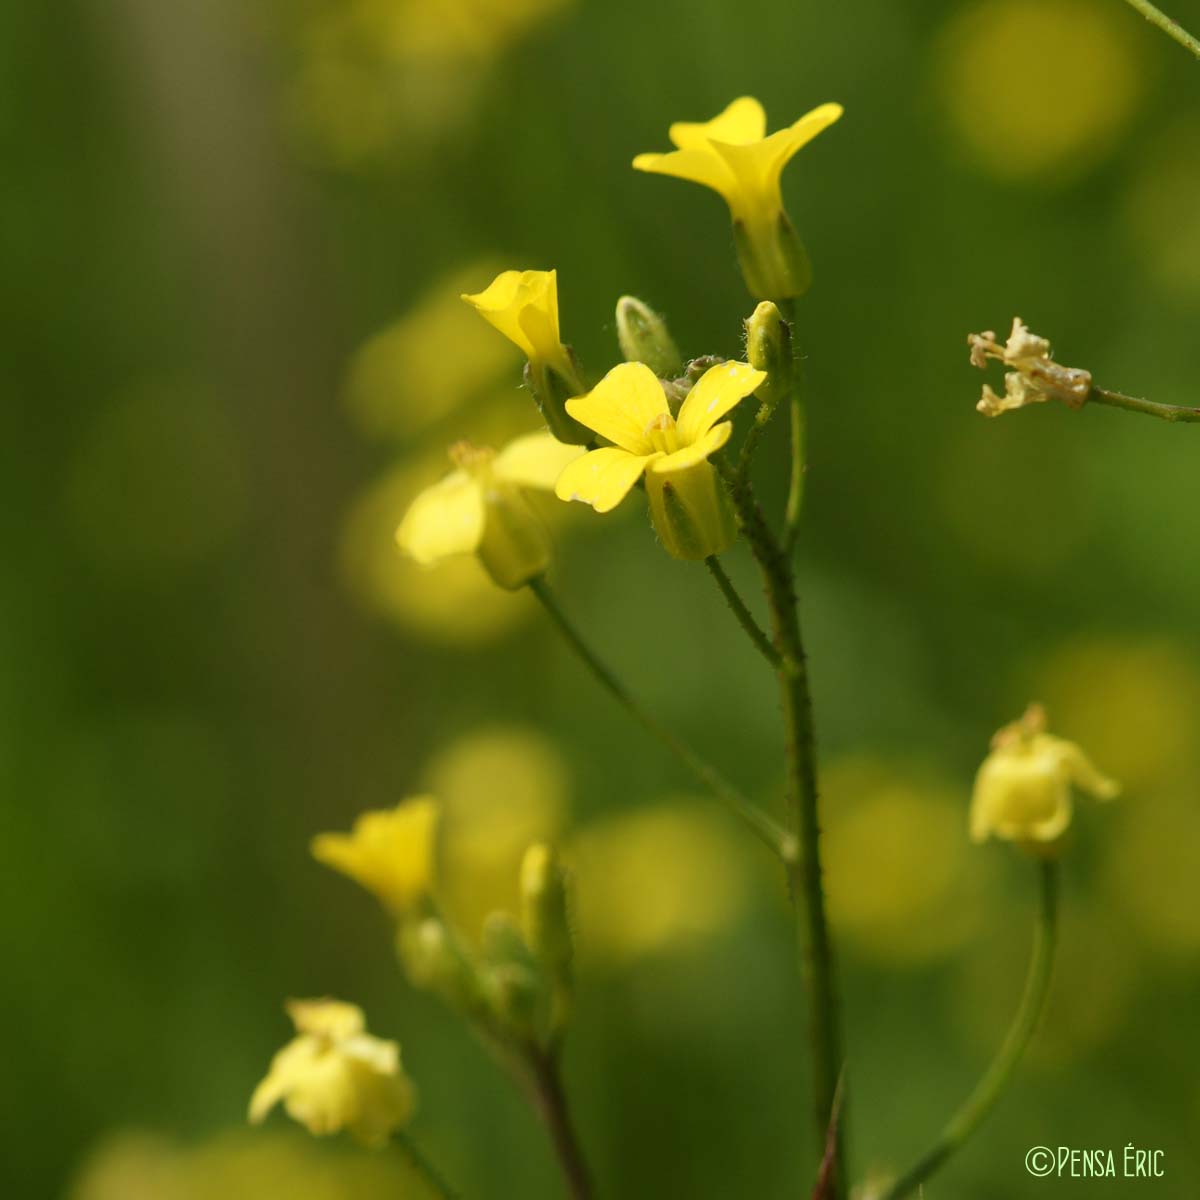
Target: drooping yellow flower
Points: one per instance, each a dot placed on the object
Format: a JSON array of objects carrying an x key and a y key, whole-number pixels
[
  {"x": 391, "y": 853},
  {"x": 523, "y": 305},
  {"x": 1023, "y": 789},
  {"x": 334, "y": 1075},
  {"x": 732, "y": 155},
  {"x": 689, "y": 507},
  {"x": 479, "y": 509}
]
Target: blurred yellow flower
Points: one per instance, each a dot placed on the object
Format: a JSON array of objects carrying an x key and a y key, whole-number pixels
[
  {"x": 392, "y": 853},
  {"x": 899, "y": 883},
  {"x": 480, "y": 509},
  {"x": 523, "y": 305},
  {"x": 629, "y": 407},
  {"x": 1038, "y": 87},
  {"x": 334, "y": 1075},
  {"x": 653, "y": 880},
  {"x": 1023, "y": 789},
  {"x": 501, "y": 788},
  {"x": 732, "y": 155}
]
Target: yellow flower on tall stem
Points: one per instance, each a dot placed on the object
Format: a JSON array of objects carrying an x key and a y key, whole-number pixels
[
  {"x": 392, "y": 853},
  {"x": 480, "y": 508},
  {"x": 523, "y": 305},
  {"x": 1023, "y": 788},
  {"x": 732, "y": 155},
  {"x": 334, "y": 1075},
  {"x": 688, "y": 504}
]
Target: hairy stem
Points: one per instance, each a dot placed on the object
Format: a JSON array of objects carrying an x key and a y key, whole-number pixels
[
  {"x": 1165, "y": 412},
  {"x": 761, "y": 642},
  {"x": 804, "y": 869},
  {"x": 769, "y": 831},
  {"x": 1037, "y": 984},
  {"x": 799, "y": 420},
  {"x": 1171, "y": 28},
  {"x": 423, "y": 1167}
]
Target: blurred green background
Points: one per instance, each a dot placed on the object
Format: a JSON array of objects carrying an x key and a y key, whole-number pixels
[{"x": 231, "y": 241}]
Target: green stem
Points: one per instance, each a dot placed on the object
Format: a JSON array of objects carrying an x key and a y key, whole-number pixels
[
  {"x": 768, "y": 830},
  {"x": 1171, "y": 28},
  {"x": 423, "y": 1167},
  {"x": 1165, "y": 412},
  {"x": 988, "y": 1090},
  {"x": 804, "y": 868},
  {"x": 745, "y": 618},
  {"x": 795, "y": 499},
  {"x": 549, "y": 1097}
]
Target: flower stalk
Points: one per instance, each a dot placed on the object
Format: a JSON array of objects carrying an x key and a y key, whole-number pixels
[
  {"x": 430, "y": 1175},
  {"x": 981, "y": 1101},
  {"x": 1171, "y": 28},
  {"x": 1149, "y": 408}
]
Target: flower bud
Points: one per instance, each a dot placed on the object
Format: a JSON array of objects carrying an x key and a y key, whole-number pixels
[
  {"x": 691, "y": 511},
  {"x": 773, "y": 259},
  {"x": 512, "y": 983},
  {"x": 644, "y": 338},
  {"x": 544, "y": 909},
  {"x": 769, "y": 348},
  {"x": 432, "y": 960}
]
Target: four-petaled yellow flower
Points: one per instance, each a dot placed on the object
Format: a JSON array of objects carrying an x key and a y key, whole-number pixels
[
  {"x": 732, "y": 155},
  {"x": 523, "y": 305},
  {"x": 392, "y": 853},
  {"x": 1023, "y": 789},
  {"x": 688, "y": 505},
  {"x": 479, "y": 508},
  {"x": 334, "y": 1075}
]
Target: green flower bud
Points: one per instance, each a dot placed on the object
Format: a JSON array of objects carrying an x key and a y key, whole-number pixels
[
  {"x": 769, "y": 348},
  {"x": 691, "y": 511},
  {"x": 774, "y": 261},
  {"x": 433, "y": 960},
  {"x": 644, "y": 338},
  {"x": 544, "y": 909}
]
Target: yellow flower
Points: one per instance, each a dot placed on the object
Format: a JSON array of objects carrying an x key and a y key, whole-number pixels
[
  {"x": 391, "y": 853},
  {"x": 732, "y": 155},
  {"x": 1023, "y": 789},
  {"x": 523, "y": 305},
  {"x": 480, "y": 509},
  {"x": 334, "y": 1075},
  {"x": 689, "y": 508}
]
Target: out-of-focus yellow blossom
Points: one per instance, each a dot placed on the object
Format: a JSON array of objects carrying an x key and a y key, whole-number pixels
[
  {"x": 392, "y": 853},
  {"x": 430, "y": 362},
  {"x": 899, "y": 883},
  {"x": 1023, "y": 789},
  {"x": 501, "y": 788},
  {"x": 1038, "y": 87},
  {"x": 1036, "y": 377},
  {"x": 653, "y": 880},
  {"x": 480, "y": 509},
  {"x": 628, "y": 406},
  {"x": 334, "y": 1075},
  {"x": 1135, "y": 697},
  {"x": 523, "y": 305},
  {"x": 136, "y": 1165},
  {"x": 732, "y": 155}
]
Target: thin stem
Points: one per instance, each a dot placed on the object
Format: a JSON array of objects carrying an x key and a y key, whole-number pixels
[
  {"x": 804, "y": 870},
  {"x": 768, "y": 830},
  {"x": 429, "y": 1173},
  {"x": 1171, "y": 28},
  {"x": 799, "y": 421},
  {"x": 1165, "y": 412},
  {"x": 550, "y": 1099},
  {"x": 745, "y": 618},
  {"x": 996, "y": 1077}
]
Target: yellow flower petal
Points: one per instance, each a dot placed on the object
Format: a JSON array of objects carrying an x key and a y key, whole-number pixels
[
  {"x": 715, "y": 393},
  {"x": 391, "y": 853},
  {"x": 697, "y": 452},
  {"x": 326, "y": 1018},
  {"x": 699, "y": 165},
  {"x": 742, "y": 121},
  {"x": 443, "y": 520},
  {"x": 603, "y": 477},
  {"x": 523, "y": 305},
  {"x": 535, "y": 460},
  {"x": 622, "y": 405}
]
